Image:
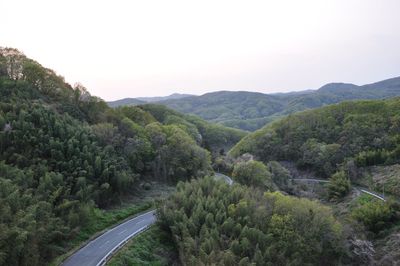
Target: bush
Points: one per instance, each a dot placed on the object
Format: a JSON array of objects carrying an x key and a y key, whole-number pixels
[
  {"x": 374, "y": 215},
  {"x": 252, "y": 173},
  {"x": 339, "y": 186}
]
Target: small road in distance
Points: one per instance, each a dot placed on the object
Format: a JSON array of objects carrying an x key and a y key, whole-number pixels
[
  {"x": 219, "y": 176},
  {"x": 374, "y": 194},
  {"x": 97, "y": 251}
]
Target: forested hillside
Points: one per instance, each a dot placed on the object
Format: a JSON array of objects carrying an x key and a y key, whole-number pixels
[
  {"x": 216, "y": 138},
  {"x": 360, "y": 133},
  {"x": 254, "y": 221},
  {"x": 144, "y": 100},
  {"x": 252, "y": 110},
  {"x": 213, "y": 223},
  {"x": 64, "y": 153}
]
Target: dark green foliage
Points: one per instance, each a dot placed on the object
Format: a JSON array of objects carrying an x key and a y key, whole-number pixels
[
  {"x": 280, "y": 175},
  {"x": 65, "y": 153},
  {"x": 321, "y": 139},
  {"x": 338, "y": 186},
  {"x": 213, "y": 223}
]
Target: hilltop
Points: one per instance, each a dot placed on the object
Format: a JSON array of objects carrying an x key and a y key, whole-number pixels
[
  {"x": 252, "y": 110},
  {"x": 143, "y": 100}
]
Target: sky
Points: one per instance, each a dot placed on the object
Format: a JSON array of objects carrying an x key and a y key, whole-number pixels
[{"x": 129, "y": 48}]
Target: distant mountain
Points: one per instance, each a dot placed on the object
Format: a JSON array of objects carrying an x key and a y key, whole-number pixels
[
  {"x": 143, "y": 100},
  {"x": 173, "y": 96},
  {"x": 252, "y": 110},
  {"x": 125, "y": 101}
]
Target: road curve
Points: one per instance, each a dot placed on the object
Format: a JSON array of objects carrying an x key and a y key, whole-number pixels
[
  {"x": 374, "y": 194},
  {"x": 97, "y": 251},
  {"x": 227, "y": 179}
]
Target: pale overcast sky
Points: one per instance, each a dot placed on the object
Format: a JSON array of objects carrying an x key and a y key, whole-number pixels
[{"x": 127, "y": 48}]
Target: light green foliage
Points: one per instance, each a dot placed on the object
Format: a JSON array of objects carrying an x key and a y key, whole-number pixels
[
  {"x": 210, "y": 136},
  {"x": 339, "y": 186},
  {"x": 252, "y": 173},
  {"x": 213, "y": 223},
  {"x": 375, "y": 215}
]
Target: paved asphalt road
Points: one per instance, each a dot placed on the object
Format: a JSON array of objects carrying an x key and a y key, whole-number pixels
[
  {"x": 374, "y": 194},
  {"x": 225, "y": 177},
  {"x": 97, "y": 250}
]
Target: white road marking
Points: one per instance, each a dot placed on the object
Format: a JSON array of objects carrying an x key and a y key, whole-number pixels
[
  {"x": 104, "y": 244},
  {"x": 122, "y": 232}
]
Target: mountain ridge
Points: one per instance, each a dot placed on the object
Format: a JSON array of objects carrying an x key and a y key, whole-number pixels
[
  {"x": 252, "y": 110},
  {"x": 144, "y": 100}
]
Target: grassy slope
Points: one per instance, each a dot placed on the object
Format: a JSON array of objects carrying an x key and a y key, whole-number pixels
[{"x": 152, "y": 247}]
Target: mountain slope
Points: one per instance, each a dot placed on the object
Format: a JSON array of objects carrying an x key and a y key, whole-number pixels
[
  {"x": 173, "y": 96},
  {"x": 125, "y": 101},
  {"x": 143, "y": 100},
  {"x": 250, "y": 110},
  {"x": 64, "y": 154},
  {"x": 365, "y": 132}
]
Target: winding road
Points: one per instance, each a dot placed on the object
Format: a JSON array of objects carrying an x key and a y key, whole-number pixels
[
  {"x": 100, "y": 249},
  {"x": 374, "y": 194},
  {"x": 97, "y": 251},
  {"x": 219, "y": 176}
]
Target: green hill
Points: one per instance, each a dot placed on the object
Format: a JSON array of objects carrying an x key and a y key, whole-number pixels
[
  {"x": 143, "y": 100},
  {"x": 366, "y": 132},
  {"x": 251, "y": 110},
  {"x": 65, "y": 153}
]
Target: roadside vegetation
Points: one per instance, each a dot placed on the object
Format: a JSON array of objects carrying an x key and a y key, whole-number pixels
[
  {"x": 152, "y": 247},
  {"x": 98, "y": 221}
]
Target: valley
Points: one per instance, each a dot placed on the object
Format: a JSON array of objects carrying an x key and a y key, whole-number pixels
[{"x": 83, "y": 183}]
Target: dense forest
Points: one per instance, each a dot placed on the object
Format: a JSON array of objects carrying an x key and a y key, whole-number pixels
[
  {"x": 252, "y": 110},
  {"x": 213, "y": 223},
  {"x": 64, "y": 152},
  {"x": 349, "y": 134},
  {"x": 255, "y": 222}
]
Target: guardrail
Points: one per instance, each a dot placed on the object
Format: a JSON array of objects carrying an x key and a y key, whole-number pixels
[
  {"x": 104, "y": 260},
  {"x": 372, "y": 194},
  {"x": 327, "y": 181}
]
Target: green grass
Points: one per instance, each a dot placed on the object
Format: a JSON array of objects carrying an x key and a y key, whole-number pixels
[{"x": 152, "y": 247}]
